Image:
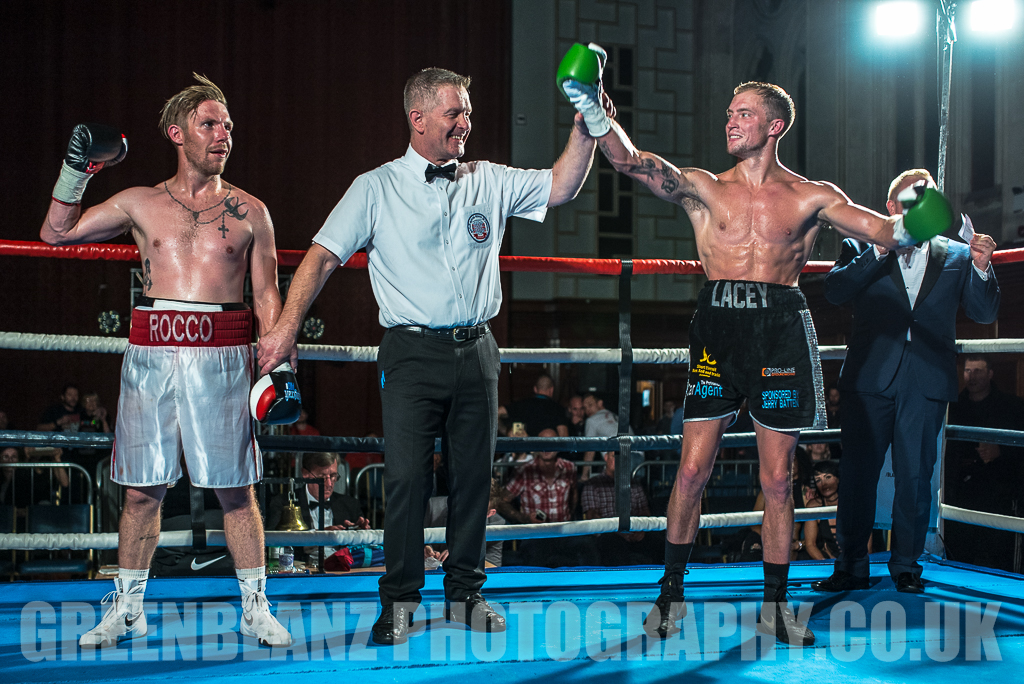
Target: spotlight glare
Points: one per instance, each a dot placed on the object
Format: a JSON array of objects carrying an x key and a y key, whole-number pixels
[
  {"x": 992, "y": 16},
  {"x": 901, "y": 19}
]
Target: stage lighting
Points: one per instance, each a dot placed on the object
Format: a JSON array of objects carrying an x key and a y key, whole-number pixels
[
  {"x": 898, "y": 19},
  {"x": 991, "y": 16}
]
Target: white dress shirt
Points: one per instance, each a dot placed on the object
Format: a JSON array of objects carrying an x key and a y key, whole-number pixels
[
  {"x": 912, "y": 267},
  {"x": 433, "y": 247}
]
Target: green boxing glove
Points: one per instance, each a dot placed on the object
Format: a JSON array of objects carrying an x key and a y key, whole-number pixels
[
  {"x": 579, "y": 79},
  {"x": 582, "y": 64},
  {"x": 926, "y": 213}
]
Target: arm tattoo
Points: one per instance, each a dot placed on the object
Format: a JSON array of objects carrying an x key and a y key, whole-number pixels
[
  {"x": 147, "y": 279},
  {"x": 669, "y": 183}
]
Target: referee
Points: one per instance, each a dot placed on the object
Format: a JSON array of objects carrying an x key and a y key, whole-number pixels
[{"x": 432, "y": 229}]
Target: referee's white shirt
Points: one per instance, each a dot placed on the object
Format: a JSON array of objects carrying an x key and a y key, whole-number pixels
[{"x": 433, "y": 247}]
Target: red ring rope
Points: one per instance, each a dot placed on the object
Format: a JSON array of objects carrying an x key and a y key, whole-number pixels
[{"x": 292, "y": 257}]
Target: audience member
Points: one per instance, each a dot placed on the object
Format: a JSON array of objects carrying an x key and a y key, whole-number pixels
[
  {"x": 664, "y": 424},
  {"x": 598, "y": 501},
  {"x": 600, "y": 423},
  {"x": 820, "y": 538},
  {"x": 301, "y": 427},
  {"x": 981, "y": 404},
  {"x": 47, "y": 484},
  {"x": 546, "y": 489},
  {"x": 94, "y": 419},
  {"x": 437, "y": 516},
  {"x": 983, "y": 477},
  {"x": 577, "y": 416},
  {"x": 342, "y": 511},
  {"x": 541, "y": 411},
  {"x": 64, "y": 416},
  {"x": 820, "y": 451},
  {"x": 547, "y": 493},
  {"x": 4, "y": 421},
  {"x": 9, "y": 482}
]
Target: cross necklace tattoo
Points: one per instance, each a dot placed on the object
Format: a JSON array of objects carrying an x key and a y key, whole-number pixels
[{"x": 230, "y": 208}]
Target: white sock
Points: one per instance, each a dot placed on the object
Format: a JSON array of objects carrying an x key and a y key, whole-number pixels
[
  {"x": 128, "y": 579},
  {"x": 251, "y": 579}
]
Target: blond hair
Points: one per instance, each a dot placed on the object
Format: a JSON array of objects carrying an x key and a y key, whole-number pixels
[
  {"x": 777, "y": 102},
  {"x": 177, "y": 110},
  {"x": 923, "y": 174}
]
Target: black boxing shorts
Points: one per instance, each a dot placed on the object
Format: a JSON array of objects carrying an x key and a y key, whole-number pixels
[{"x": 754, "y": 341}]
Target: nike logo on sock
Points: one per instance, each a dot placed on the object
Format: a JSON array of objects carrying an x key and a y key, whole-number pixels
[{"x": 200, "y": 566}]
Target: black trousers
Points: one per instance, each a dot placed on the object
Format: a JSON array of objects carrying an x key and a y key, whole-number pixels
[
  {"x": 904, "y": 417},
  {"x": 429, "y": 387}
]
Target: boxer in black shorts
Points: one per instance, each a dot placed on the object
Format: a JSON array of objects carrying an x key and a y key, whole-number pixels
[
  {"x": 754, "y": 226},
  {"x": 754, "y": 341}
]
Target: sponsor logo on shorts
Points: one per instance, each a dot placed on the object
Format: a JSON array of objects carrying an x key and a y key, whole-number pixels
[
  {"x": 164, "y": 327},
  {"x": 777, "y": 372},
  {"x": 780, "y": 399},
  {"x": 704, "y": 389},
  {"x": 731, "y": 295},
  {"x": 705, "y": 368},
  {"x": 479, "y": 228}
]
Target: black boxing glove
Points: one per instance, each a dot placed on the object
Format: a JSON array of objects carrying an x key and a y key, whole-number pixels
[
  {"x": 92, "y": 147},
  {"x": 275, "y": 398}
]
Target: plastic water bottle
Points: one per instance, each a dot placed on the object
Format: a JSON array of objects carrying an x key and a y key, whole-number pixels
[{"x": 286, "y": 559}]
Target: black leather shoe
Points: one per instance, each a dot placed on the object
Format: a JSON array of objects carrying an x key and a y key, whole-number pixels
[
  {"x": 476, "y": 613},
  {"x": 669, "y": 607},
  {"x": 909, "y": 583},
  {"x": 392, "y": 627},
  {"x": 777, "y": 620},
  {"x": 840, "y": 581}
]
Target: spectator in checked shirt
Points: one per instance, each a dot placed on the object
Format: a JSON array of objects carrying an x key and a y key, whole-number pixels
[
  {"x": 598, "y": 501},
  {"x": 546, "y": 489}
]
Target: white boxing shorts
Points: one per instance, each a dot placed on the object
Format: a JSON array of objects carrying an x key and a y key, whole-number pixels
[{"x": 185, "y": 386}]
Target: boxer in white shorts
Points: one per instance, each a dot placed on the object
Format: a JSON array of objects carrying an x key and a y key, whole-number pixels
[
  {"x": 187, "y": 373},
  {"x": 185, "y": 389}
]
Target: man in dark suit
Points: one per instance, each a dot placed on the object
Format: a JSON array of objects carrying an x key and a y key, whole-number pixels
[
  {"x": 343, "y": 512},
  {"x": 898, "y": 377}
]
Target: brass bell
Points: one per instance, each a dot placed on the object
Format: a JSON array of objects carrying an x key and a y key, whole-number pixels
[{"x": 291, "y": 515}]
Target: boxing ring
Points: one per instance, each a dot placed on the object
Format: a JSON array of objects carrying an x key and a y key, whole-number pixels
[{"x": 570, "y": 623}]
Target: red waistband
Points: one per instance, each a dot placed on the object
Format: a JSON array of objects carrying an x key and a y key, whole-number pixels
[{"x": 153, "y": 328}]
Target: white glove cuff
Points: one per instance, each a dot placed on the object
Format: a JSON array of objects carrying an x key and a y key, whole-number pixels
[
  {"x": 70, "y": 185},
  {"x": 587, "y": 100},
  {"x": 900, "y": 234}
]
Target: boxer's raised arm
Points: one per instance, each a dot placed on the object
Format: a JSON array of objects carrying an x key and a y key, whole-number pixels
[
  {"x": 662, "y": 178},
  {"x": 92, "y": 147},
  {"x": 853, "y": 220}
]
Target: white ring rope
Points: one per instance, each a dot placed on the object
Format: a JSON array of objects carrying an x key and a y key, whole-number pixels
[
  {"x": 993, "y": 520},
  {"x": 326, "y": 352},
  {"x": 431, "y": 535}
]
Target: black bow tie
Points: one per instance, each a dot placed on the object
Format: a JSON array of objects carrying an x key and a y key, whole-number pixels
[
  {"x": 314, "y": 505},
  {"x": 447, "y": 171}
]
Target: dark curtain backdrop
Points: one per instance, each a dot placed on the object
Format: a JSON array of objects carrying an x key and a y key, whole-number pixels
[{"x": 315, "y": 91}]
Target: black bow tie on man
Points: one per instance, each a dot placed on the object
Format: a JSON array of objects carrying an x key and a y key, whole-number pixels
[{"x": 446, "y": 171}]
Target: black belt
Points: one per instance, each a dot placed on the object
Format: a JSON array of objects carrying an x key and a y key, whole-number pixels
[{"x": 454, "y": 334}]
